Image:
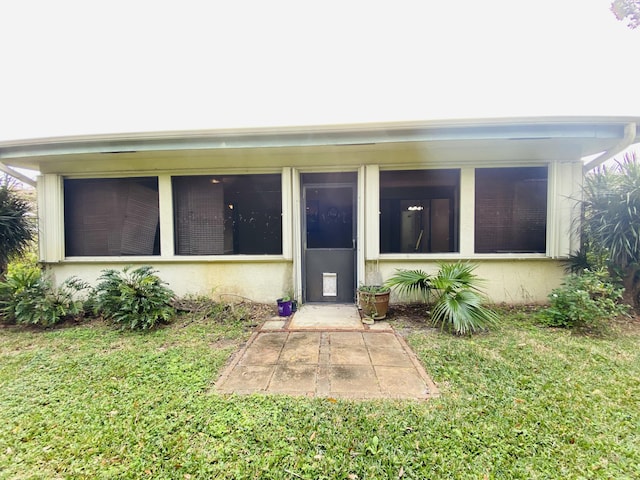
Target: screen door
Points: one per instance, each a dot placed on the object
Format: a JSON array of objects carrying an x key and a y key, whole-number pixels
[{"x": 329, "y": 242}]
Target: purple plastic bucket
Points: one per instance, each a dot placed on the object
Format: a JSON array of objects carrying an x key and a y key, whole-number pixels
[{"x": 284, "y": 308}]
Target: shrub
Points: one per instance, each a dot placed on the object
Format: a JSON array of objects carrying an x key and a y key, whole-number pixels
[
  {"x": 17, "y": 228},
  {"x": 454, "y": 290},
  {"x": 134, "y": 298},
  {"x": 586, "y": 301},
  {"x": 28, "y": 296}
]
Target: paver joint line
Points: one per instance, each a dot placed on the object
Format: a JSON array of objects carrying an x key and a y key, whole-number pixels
[{"x": 277, "y": 363}]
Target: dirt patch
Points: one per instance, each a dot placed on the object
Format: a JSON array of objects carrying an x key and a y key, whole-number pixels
[
  {"x": 409, "y": 318},
  {"x": 259, "y": 312},
  {"x": 628, "y": 324},
  {"x": 201, "y": 309}
]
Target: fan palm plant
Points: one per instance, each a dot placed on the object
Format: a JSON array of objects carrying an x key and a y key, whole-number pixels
[
  {"x": 454, "y": 289},
  {"x": 459, "y": 300},
  {"x": 17, "y": 229}
]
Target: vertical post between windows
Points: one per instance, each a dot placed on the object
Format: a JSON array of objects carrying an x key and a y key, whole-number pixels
[
  {"x": 361, "y": 228},
  {"x": 50, "y": 217},
  {"x": 467, "y": 211},
  {"x": 371, "y": 210},
  {"x": 552, "y": 212},
  {"x": 165, "y": 198},
  {"x": 565, "y": 184},
  {"x": 296, "y": 221},
  {"x": 287, "y": 214}
]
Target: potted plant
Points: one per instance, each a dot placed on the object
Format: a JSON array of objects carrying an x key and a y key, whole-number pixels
[
  {"x": 294, "y": 303},
  {"x": 374, "y": 300},
  {"x": 284, "y": 306}
]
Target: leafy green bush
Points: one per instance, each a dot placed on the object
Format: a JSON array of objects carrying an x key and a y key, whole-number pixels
[
  {"x": 28, "y": 296},
  {"x": 587, "y": 301},
  {"x": 454, "y": 292},
  {"x": 134, "y": 298}
]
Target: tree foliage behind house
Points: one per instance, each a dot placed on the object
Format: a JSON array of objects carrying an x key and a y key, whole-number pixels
[
  {"x": 612, "y": 220},
  {"x": 17, "y": 227},
  {"x": 627, "y": 10}
]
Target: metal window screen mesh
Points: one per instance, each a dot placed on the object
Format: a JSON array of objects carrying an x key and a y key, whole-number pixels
[
  {"x": 111, "y": 217},
  {"x": 140, "y": 222},
  {"x": 199, "y": 216},
  {"x": 511, "y": 210}
]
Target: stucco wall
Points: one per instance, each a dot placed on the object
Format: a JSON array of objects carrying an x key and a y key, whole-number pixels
[
  {"x": 262, "y": 282},
  {"x": 514, "y": 281}
]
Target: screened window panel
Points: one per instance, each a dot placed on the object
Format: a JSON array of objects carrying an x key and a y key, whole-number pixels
[
  {"x": 419, "y": 211},
  {"x": 111, "y": 217},
  {"x": 230, "y": 214},
  {"x": 199, "y": 215},
  {"x": 511, "y": 210}
]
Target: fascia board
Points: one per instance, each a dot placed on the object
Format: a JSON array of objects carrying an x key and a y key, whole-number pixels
[{"x": 360, "y": 134}]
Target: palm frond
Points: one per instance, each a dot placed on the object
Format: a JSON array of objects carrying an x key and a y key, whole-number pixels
[
  {"x": 463, "y": 312},
  {"x": 455, "y": 276},
  {"x": 411, "y": 284}
]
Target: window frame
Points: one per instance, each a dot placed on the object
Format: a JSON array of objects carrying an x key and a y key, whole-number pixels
[
  {"x": 225, "y": 255},
  {"x": 167, "y": 254},
  {"x": 466, "y": 216},
  {"x": 368, "y": 181},
  {"x": 106, "y": 258},
  {"x": 550, "y": 205},
  {"x": 455, "y": 214}
]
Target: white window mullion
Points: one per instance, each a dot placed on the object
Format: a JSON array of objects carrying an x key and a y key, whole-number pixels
[
  {"x": 165, "y": 197},
  {"x": 565, "y": 184},
  {"x": 287, "y": 214},
  {"x": 296, "y": 233},
  {"x": 364, "y": 228},
  {"x": 371, "y": 210},
  {"x": 51, "y": 217},
  {"x": 467, "y": 211}
]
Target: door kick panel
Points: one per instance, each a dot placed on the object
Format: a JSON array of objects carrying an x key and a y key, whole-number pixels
[{"x": 329, "y": 271}]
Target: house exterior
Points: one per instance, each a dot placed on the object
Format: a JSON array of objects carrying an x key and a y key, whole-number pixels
[{"x": 316, "y": 211}]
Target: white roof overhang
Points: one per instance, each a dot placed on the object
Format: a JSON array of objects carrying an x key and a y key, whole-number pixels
[{"x": 470, "y": 140}]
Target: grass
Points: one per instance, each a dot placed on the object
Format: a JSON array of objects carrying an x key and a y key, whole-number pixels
[{"x": 89, "y": 401}]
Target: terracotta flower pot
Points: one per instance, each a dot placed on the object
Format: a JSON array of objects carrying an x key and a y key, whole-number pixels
[{"x": 374, "y": 304}]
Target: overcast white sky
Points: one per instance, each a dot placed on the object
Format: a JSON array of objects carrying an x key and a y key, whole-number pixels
[{"x": 79, "y": 67}]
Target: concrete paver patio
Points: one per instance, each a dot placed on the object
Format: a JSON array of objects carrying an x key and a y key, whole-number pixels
[{"x": 340, "y": 364}]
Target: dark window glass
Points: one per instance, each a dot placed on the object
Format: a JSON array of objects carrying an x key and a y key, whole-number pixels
[
  {"x": 228, "y": 214},
  {"x": 329, "y": 216},
  {"x": 511, "y": 210},
  {"x": 111, "y": 216},
  {"x": 419, "y": 211}
]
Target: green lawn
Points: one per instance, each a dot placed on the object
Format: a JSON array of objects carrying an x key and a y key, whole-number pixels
[{"x": 89, "y": 401}]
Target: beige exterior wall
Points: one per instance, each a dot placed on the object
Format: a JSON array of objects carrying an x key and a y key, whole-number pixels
[
  {"x": 262, "y": 282},
  {"x": 513, "y": 281}
]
